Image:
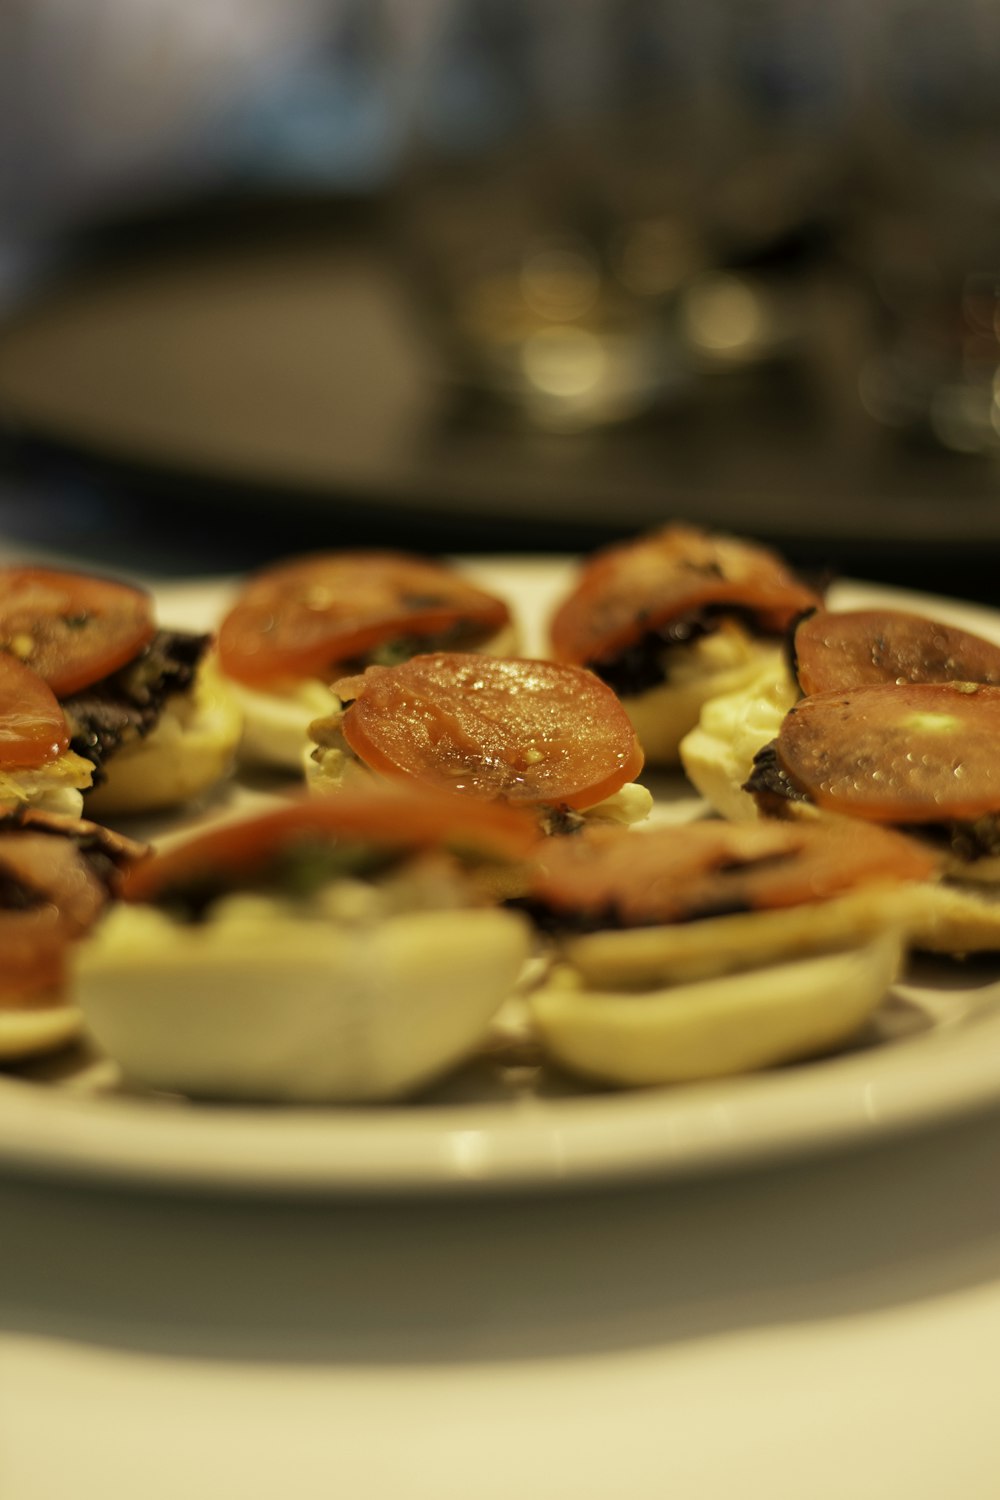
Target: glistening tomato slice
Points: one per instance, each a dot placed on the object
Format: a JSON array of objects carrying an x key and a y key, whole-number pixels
[
  {"x": 392, "y": 818},
  {"x": 913, "y": 753},
  {"x": 628, "y": 590},
  {"x": 868, "y": 646},
  {"x": 33, "y": 728},
  {"x": 521, "y": 731},
  {"x": 70, "y": 628},
  {"x": 712, "y": 868},
  {"x": 306, "y": 617}
]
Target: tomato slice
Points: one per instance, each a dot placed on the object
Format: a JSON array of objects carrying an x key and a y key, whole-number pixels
[
  {"x": 867, "y": 646},
  {"x": 912, "y": 753},
  {"x": 33, "y": 728},
  {"x": 712, "y": 868},
  {"x": 628, "y": 590},
  {"x": 308, "y": 617},
  {"x": 393, "y": 818},
  {"x": 70, "y": 628},
  {"x": 522, "y": 731}
]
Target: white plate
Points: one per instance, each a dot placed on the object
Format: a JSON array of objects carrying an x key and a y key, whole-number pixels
[{"x": 933, "y": 1055}]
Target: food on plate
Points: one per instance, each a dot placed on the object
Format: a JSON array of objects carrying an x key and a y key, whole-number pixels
[
  {"x": 915, "y": 753},
  {"x": 714, "y": 948},
  {"x": 147, "y": 716},
  {"x": 827, "y": 650},
  {"x": 919, "y": 756},
  {"x": 863, "y": 647},
  {"x": 57, "y": 875},
  {"x": 535, "y": 734},
  {"x": 297, "y": 626},
  {"x": 339, "y": 949},
  {"x": 352, "y": 946},
  {"x": 675, "y": 618},
  {"x": 37, "y": 767}
]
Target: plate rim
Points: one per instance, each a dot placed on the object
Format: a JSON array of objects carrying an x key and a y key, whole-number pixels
[{"x": 654, "y": 1135}]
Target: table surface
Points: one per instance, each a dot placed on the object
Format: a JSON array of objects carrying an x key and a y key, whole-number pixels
[{"x": 825, "y": 1328}]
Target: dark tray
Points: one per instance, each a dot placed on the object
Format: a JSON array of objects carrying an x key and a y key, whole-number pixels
[{"x": 204, "y": 391}]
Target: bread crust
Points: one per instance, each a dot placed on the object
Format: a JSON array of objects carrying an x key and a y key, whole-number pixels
[{"x": 191, "y": 749}]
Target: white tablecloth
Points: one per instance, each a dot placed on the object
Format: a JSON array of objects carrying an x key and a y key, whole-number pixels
[{"x": 829, "y": 1329}]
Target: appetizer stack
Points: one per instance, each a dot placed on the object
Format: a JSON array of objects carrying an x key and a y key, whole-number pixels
[{"x": 459, "y": 830}]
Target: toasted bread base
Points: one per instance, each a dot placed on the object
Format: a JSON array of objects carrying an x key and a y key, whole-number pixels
[
  {"x": 191, "y": 748},
  {"x": 275, "y": 1006},
  {"x": 687, "y": 952},
  {"x": 717, "y": 1027},
  {"x": 33, "y": 1030},
  {"x": 956, "y": 919}
]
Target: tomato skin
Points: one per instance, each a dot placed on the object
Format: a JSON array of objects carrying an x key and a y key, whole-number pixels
[
  {"x": 309, "y": 616},
  {"x": 71, "y": 628},
  {"x": 630, "y": 589},
  {"x": 854, "y": 648},
  {"x": 33, "y": 728},
  {"x": 709, "y": 868},
  {"x": 394, "y": 818},
  {"x": 897, "y": 753},
  {"x": 522, "y": 731}
]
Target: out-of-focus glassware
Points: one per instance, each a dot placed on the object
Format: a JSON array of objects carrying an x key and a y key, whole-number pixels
[
  {"x": 579, "y": 172},
  {"x": 928, "y": 218}
]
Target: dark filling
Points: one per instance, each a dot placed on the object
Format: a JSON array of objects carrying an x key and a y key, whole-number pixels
[
  {"x": 297, "y": 872},
  {"x": 646, "y": 663},
  {"x": 127, "y": 704},
  {"x": 17, "y": 895},
  {"x": 770, "y": 784},
  {"x": 979, "y": 839},
  {"x": 104, "y": 862},
  {"x": 464, "y": 635},
  {"x": 791, "y": 654},
  {"x": 563, "y": 922},
  {"x": 560, "y": 820},
  {"x": 96, "y": 848}
]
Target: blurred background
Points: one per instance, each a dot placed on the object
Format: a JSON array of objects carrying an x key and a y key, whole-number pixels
[{"x": 507, "y": 275}]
